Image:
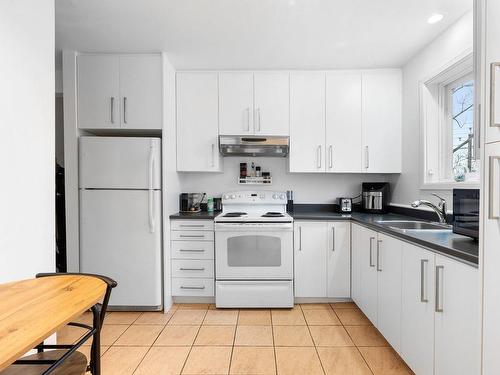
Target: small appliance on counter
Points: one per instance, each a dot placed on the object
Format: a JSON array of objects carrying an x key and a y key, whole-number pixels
[
  {"x": 190, "y": 202},
  {"x": 345, "y": 205},
  {"x": 375, "y": 196},
  {"x": 289, "y": 201},
  {"x": 466, "y": 212}
]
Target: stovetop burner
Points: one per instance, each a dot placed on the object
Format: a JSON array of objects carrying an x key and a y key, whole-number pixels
[
  {"x": 273, "y": 214},
  {"x": 234, "y": 214}
]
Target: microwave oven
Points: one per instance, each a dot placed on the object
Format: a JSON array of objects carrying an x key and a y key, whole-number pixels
[{"x": 466, "y": 212}]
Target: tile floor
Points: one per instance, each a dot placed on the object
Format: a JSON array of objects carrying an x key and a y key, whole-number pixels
[{"x": 199, "y": 339}]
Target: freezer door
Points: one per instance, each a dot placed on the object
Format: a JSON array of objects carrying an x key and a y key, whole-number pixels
[
  {"x": 120, "y": 163},
  {"x": 120, "y": 237}
]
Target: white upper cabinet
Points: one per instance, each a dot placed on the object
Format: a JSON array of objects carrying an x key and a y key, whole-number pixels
[
  {"x": 339, "y": 259},
  {"x": 98, "y": 91},
  {"x": 272, "y": 103},
  {"x": 381, "y": 121},
  {"x": 119, "y": 91},
  {"x": 236, "y": 104},
  {"x": 141, "y": 91},
  {"x": 343, "y": 121},
  {"x": 197, "y": 122},
  {"x": 307, "y": 122}
]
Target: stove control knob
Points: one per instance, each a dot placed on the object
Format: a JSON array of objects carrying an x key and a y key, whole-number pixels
[
  {"x": 233, "y": 196},
  {"x": 275, "y": 196},
  {"x": 225, "y": 196},
  {"x": 282, "y": 196}
]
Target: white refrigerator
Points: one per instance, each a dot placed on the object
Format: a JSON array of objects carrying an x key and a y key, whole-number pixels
[{"x": 120, "y": 217}]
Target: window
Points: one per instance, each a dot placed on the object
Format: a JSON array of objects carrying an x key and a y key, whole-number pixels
[{"x": 450, "y": 157}]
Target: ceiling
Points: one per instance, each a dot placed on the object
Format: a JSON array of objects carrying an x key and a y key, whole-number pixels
[{"x": 257, "y": 34}]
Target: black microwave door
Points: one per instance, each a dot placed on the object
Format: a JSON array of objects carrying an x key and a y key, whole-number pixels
[{"x": 466, "y": 212}]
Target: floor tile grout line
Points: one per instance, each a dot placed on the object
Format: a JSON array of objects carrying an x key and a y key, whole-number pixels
[
  {"x": 274, "y": 344},
  {"x": 234, "y": 341},
  {"x": 312, "y": 339},
  {"x": 192, "y": 344}
]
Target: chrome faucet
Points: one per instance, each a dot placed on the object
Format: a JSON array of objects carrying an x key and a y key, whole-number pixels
[{"x": 440, "y": 209}]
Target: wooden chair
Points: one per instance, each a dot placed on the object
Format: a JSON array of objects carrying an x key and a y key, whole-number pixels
[{"x": 75, "y": 362}]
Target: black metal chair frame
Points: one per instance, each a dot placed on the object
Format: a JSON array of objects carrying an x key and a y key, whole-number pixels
[{"x": 98, "y": 312}]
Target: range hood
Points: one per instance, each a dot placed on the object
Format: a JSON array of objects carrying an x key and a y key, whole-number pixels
[{"x": 253, "y": 146}]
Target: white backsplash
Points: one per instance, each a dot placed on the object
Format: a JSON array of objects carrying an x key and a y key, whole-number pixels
[{"x": 307, "y": 187}]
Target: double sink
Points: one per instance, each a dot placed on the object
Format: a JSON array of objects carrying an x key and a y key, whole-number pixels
[{"x": 415, "y": 226}]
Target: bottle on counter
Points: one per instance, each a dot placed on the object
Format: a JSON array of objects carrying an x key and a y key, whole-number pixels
[
  {"x": 210, "y": 204},
  {"x": 257, "y": 172}
]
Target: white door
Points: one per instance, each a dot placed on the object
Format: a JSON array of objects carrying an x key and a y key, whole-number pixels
[
  {"x": 141, "y": 86},
  {"x": 417, "y": 312},
  {"x": 457, "y": 318},
  {"x": 492, "y": 52},
  {"x": 368, "y": 274},
  {"x": 356, "y": 250},
  {"x": 197, "y": 122},
  {"x": 343, "y": 121},
  {"x": 339, "y": 259},
  {"x": 120, "y": 163},
  {"x": 307, "y": 122},
  {"x": 381, "y": 121},
  {"x": 310, "y": 243},
  {"x": 272, "y": 103},
  {"x": 117, "y": 240},
  {"x": 98, "y": 91},
  {"x": 236, "y": 104},
  {"x": 389, "y": 258}
]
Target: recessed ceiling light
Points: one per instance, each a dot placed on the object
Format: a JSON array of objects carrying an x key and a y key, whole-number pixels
[{"x": 435, "y": 18}]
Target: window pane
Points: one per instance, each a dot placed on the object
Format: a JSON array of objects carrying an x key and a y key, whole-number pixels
[{"x": 462, "y": 117}]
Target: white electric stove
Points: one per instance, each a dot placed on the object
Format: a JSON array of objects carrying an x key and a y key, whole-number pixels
[{"x": 254, "y": 251}]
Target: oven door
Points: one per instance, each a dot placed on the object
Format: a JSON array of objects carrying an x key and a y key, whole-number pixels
[{"x": 254, "y": 251}]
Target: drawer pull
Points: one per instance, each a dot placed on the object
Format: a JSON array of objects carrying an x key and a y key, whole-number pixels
[
  {"x": 192, "y": 236},
  {"x": 193, "y": 250},
  {"x": 192, "y": 287},
  {"x": 192, "y": 225},
  {"x": 192, "y": 269}
]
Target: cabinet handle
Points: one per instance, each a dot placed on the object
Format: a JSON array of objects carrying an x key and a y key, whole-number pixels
[
  {"x": 494, "y": 193},
  {"x": 378, "y": 256},
  {"x": 112, "y": 109},
  {"x": 192, "y": 235},
  {"x": 192, "y": 269},
  {"x": 259, "y": 119},
  {"x": 319, "y": 156},
  {"x": 192, "y": 225},
  {"x": 330, "y": 156},
  {"x": 333, "y": 238},
  {"x": 423, "y": 288},
  {"x": 213, "y": 156},
  {"x": 192, "y": 287},
  {"x": 371, "y": 256},
  {"x": 248, "y": 119},
  {"x": 192, "y": 250},
  {"x": 300, "y": 238},
  {"x": 125, "y": 110},
  {"x": 439, "y": 286},
  {"x": 367, "y": 157}
]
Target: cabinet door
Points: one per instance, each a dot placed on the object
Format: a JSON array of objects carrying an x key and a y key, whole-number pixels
[
  {"x": 272, "y": 103},
  {"x": 339, "y": 259},
  {"x": 98, "y": 92},
  {"x": 457, "y": 318},
  {"x": 236, "y": 104},
  {"x": 310, "y": 242},
  {"x": 197, "y": 122},
  {"x": 307, "y": 122},
  {"x": 388, "y": 260},
  {"x": 141, "y": 91},
  {"x": 356, "y": 250},
  {"x": 381, "y": 121},
  {"x": 417, "y": 309},
  {"x": 343, "y": 122},
  {"x": 368, "y": 274},
  {"x": 491, "y": 84}
]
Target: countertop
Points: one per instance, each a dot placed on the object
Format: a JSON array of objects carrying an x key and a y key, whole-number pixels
[{"x": 459, "y": 247}]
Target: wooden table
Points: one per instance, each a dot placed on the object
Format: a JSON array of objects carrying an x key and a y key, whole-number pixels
[{"x": 32, "y": 310}]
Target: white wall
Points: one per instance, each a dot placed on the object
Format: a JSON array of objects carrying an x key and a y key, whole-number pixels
[
  {"x": 27, "y": 239},
  {"x": 454, "y": 41},
  {"x": 307, "y": 187}
]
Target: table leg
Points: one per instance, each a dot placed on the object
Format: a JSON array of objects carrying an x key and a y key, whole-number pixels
[{"x": 95, "y": 355}]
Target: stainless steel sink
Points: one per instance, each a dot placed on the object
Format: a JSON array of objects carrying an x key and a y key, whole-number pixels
[{"x": 413, "y": 225}]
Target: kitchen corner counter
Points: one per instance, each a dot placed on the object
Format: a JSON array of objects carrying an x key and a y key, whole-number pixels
[
  {"x": 202, "y": 215},
  {"x": 459, "y": 247}
]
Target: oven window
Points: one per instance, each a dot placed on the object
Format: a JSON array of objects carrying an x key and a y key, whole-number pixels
[{"x": 254, "y": 251}]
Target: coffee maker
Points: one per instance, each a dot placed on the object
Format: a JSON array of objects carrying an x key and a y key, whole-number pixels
[{"x": 375, "y": 197}]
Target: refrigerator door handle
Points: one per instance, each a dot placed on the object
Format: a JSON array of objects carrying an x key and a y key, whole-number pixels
[{"x": 150, "y": 189}]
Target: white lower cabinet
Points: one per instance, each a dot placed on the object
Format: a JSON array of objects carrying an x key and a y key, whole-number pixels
[
  {"x": 427, "y": 305},
  {"x": 322, "y": 259}
]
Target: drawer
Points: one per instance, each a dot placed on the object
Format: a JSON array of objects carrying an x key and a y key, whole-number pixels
[
  {"x": 192, "y": 250},
  {"x": 192, "y": 225},
  {"x": 192, "y": 287},
  {"x": 192, "y": 268},
  {"x": 181, "y": 235}
]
